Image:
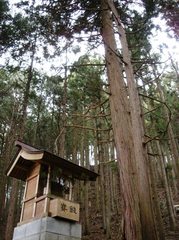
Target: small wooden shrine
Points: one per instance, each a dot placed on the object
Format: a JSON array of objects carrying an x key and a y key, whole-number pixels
[{"x": 49, "y": 183}]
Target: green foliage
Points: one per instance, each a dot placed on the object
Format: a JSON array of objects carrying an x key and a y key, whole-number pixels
[
  {"x": 4, "y": 8},
  {"x": 114, "y": 166},
  {"x": 85, "y": 83},
  {"x": 169, "y": 11},
  {"x": 150, "y": 6},
  {"x": 85, "y": 94},
  {"x": 171, "y": 92}
]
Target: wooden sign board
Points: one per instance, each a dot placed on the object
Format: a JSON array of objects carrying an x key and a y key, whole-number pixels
[{"x": 65, "y": 209}]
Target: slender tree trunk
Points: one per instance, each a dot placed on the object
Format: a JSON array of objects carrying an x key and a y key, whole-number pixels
[
  {"x": 97, "y": 180},
  {"x": 117, "y": 193},
  {"x": 173, "y": 179},
  {"x": 86, "y": 190},
  {"x": 6, "y": 156},
  {"x": 11, "y": 213},
  {"x": 60, "y": 147},
  {"x": 101, "y": 158},
  {"x": 167, "y": 190},
  {"x": 111, "y": 170},
  {"x": 107, "y": 193},
  {"x": 111, "y": 188},
  {"x": 21, "y": 130},
  {"x": 159, "y": 223},
  {"x": 77, "y": 192},
  {"x": 86, "y": 206},
  {"x": 61, "y": 150},
  {"x": 173, "y": 144},
  {"x": 19, "y": 202},
  {"x": 116, "y": 182},
  {"x": 39, "y": 107}
]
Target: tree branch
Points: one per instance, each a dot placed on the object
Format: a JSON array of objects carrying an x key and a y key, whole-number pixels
[
  {"x": 154, "y": 109},
  {"x": 95, "y": 106},
  {"x": 88, "y": 128},
  {"x": 90, "y": 116}
]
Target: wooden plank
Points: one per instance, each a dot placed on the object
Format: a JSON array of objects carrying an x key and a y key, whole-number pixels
[
  {"x": 65, "y": 209},
  {"x": 36, "y": 191},
  {"x": 31, "y": 187},
  {"x": 28, "y": 210},
  {"x": 39, "y": 210}
]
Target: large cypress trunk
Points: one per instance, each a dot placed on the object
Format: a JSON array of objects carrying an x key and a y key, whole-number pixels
[
  {"x": 128, "y": 134},
  {"x": 122, "y": 131}
]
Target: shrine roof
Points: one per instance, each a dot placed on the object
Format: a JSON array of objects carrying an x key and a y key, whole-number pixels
[{"x": 27, "y": 156}]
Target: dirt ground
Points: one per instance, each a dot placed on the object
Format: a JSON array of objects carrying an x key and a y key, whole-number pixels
[{"x": 96, "y": 222}]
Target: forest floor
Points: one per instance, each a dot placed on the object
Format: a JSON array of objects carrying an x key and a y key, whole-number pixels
[
  {"x": 173, "y": 235},
  {"x": 96, "y": 221}
]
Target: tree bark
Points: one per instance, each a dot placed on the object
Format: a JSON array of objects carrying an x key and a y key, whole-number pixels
[
  {"x": 128, "y": 133},
  {"x": 159, "y": 223},
  {"x": 107, "y": 196},
  {"x": 6, "y": 156},
  {"x": 167, "y": 189},
  {"x": 97, "y": 182},
  {"x": 21, "y": 130},
  {"x": 86, "y": 190},
  {"x": 11, "y": 212},
  {"x": 173, "y": 144},
  {"x": 60, "y": 147},
  {"x": 122, "y": 131}
]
